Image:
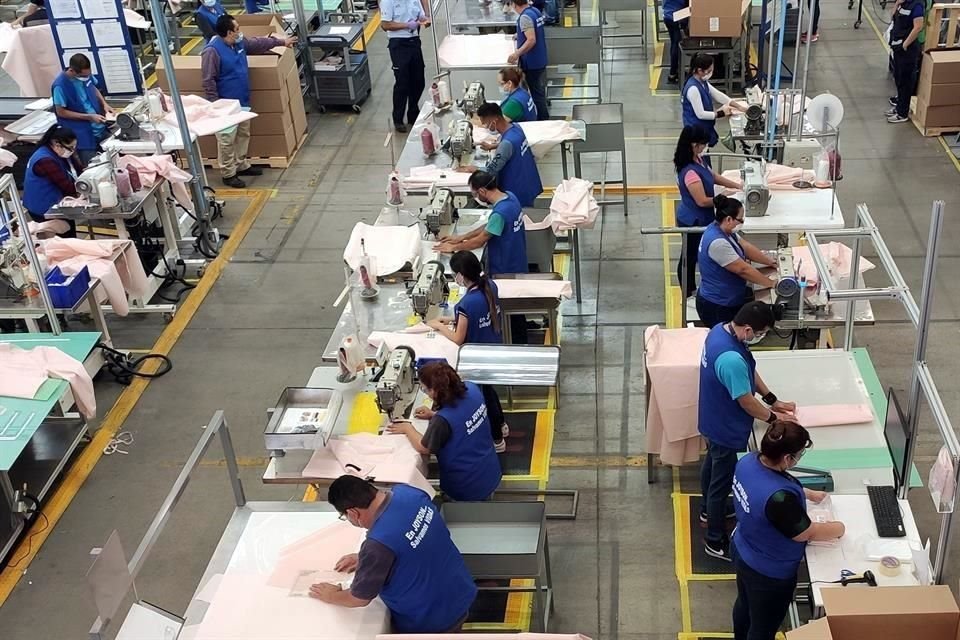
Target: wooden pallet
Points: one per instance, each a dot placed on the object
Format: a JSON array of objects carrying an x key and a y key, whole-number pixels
[
  {"x": 932, "y": 131},
  {"x": 943, "y": 27},
  {"x": 274, "y": 162}
]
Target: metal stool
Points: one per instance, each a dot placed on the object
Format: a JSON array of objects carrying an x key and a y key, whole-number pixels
[{"x": 604, "y": 125}]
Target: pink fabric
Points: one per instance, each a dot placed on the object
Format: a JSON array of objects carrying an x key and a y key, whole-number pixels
[
  {"x": 426, "y": 345},
  {"x": 39, "y": 363},
  {"x": 673, "y": 364},
  {"x": 829, "y": 415},
  {"x": 42, "y": 230},
  {"x": 117, "y": 277},
  {"x": 386, "y": 458},
  {"x": 319, "y": 550},
  {"x": 512, "y": 288},
  {"x": 150, "y": 167},
  {"x": 471, "y": 50},
  {"x": 32, "y": 60},
  {"x": 135, "y": 20},
  {"x": 838, "y": 257},
  {"x": 206, "y": 118},
  {"x": 779, "y": 177}
]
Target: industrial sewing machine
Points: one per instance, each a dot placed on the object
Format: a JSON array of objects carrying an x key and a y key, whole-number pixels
[
  {"x": 132, "y": 116},
  {"x": 461, "y": 140},
  {"x": 14, "y": 265},
  {"x": 430, "y": 290},
  {"x": 100, "y": 169},
  {"x": 756, "y": 193},
  {"x": 397, "y": 385},
  {"x": 440, "y": 213},
  {"x": 754, "y": 120},
  {"x": 790, "y": 293},
  {"x": 473, "y": 97}
]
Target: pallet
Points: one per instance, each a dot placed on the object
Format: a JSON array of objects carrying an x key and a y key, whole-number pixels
[
  {"x": 943, "y": 27},
  {"x": 930, "y": 132},
  {"x": 273, "y": 162}
]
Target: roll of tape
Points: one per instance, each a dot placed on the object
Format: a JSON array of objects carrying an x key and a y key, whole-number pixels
[{"x": 889, "y": 566}]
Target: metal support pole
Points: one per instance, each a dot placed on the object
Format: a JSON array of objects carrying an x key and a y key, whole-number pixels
[
  {"x": 575, "y": 251},
  {"x": 683, "y": 281},
  {"x": 923, "y": 328},
  {"x": 303, "y": 35},
  {"x": 852, "y": 304},
  {"x": 190, "y": 150},
  {"x": 806, "y": 65},
  {"x": 796, "y": 54}
]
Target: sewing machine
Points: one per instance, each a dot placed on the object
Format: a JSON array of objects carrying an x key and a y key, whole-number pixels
[
  {"x": 473, "y": 97},
  {"x": 756, "y": 193},
  {"x": 461, "y": 139},
  {"x": 801, "y": 154},
  {"x": 397, "y": 387},
  {"x": 440, "y": 213},
  {"x": 14, "y": 265},
  {"x": 99, "y": 170},
  {"x": 791, "y": 292},
  {"x": 132, "y": 116},
  {"x": 430, "y": 290},
  {"x": 754, "y": 124}
]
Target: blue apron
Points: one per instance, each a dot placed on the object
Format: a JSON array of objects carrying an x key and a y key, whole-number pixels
[
  {"x": 689, "y": 212},
  {"x": 474, "y": 306},
  {"x": 721, "y": 419},
  {"x": 690, "y": 118},
  {"x": 84, "y": 130},
  {"x": 507, "y": 253},
  {"x": 209, "y": 17},
  {"x": 39, "y": 193},
  {"x": 519, "y": 175},
  {"x": 233, "y": 82},
  {"x": 469, "y": 467},
  {"x": 718, "y": 284},
  {"x": 521, "y": 96},
  {"x": 536, "y": 58}
]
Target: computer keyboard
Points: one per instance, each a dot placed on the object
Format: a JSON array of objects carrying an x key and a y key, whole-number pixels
[{"x": 886, "y": 511}]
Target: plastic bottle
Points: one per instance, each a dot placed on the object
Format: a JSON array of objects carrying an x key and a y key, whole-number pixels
[
  {"x": 108, "y": 194},
  {"x": 122, "y": 178},
  {"x": 444, "y": 88},
  {"x": 155, "y": 105}
]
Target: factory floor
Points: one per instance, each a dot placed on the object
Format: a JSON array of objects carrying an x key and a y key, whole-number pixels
[{"x": 262, "y": 325}]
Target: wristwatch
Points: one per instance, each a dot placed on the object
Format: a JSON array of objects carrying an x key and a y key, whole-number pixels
[{"x": 770, "y": 398}]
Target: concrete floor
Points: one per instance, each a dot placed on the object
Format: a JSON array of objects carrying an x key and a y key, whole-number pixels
[{"x": 267, "y": 319}]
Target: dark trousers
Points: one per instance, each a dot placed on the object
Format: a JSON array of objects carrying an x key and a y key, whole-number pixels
[
  {"x": 762, "y": 603},
  {"x": 494, "y": 411},
  {"x": 406, "y": 56},
  {"x": 713, "y": 314},
  {"x": 688, "y": 261},
  {"x": 537, "y": 84},
  {"x": 815, "y": 4},
  {"x": 675, "y": 29},
  {"x": 905, "y": 75},
  {"x": 716, "y": 480}
]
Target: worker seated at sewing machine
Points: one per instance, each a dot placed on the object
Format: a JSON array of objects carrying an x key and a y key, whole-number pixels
[
  {"x": 408, "y": 559},
  {"x": 51, "y": 174},
  {"x": 459, "y": 434},
  {"x": 725, "y": 265}
]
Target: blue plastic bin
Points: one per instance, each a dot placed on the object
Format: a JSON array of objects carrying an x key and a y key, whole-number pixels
[{"x": 66, "y": 290}]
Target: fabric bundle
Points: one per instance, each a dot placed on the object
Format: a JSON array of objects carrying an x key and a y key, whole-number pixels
[
  {"x": 206, "y": 118},
  {"x": 427, "y": 175},
  {"x": 23, "y": 371},
  {"x": 389, "y": 247},
  {"x": 542, "y": 136},
  {"x": 838, "y": 257},
  {"x": 476, "y": 51},
  {"x": 572, "y": 207},
  {"x": 32, "y": 60},
  {"x": 150, "y": 167}
]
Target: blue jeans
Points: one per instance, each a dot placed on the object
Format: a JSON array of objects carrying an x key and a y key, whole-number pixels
[
  {"x": 716, "y": 480},
  {"x": 675, "y": 29},
  {"x": 537, "y": 84}
]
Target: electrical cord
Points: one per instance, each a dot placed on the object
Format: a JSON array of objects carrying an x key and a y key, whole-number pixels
[
  {"x": 124, "y": 368},
  {"x": 33, "y": 534}
]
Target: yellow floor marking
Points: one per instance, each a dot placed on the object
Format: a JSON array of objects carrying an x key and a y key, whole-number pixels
[
  {"x": 946, "y": 148},
  {"x": 672, "y": 298},
  {"x": 876, "y": 30},
  {"x": 655, "y": 69},
  {"x": 370, "y": 30},
  {"x": 681, "y": 559},
  {"x": 57, "y": 504},
  {"x": 607, "y": 462},
  {"x": 242, "y": 461}
]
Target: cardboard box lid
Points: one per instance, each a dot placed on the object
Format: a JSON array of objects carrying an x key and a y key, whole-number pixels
[
  {"x": 813, "y": 630},
  {"x": 944, "y": 57},
  {"x": 244, "y": 19},
  {"x": 181, "y": 62},
  {"x": 894, "y": 612}
]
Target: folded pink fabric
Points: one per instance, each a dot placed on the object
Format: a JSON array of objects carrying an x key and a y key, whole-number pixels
[
  {"x": 206, "y": 118},
  {"x": 838, "y": 257},
  {"x": 829, "y": 415},
  {"x": 150, "y": 167},
  {"x": 39, "y": 363},
  {"x": 425, "y": 345},
  {"x": 513, "y": 288}
]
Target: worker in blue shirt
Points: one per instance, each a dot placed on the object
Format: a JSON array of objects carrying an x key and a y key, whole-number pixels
[
  {"x": 726, "y": 265},
  {"x": 402, "y": 20},
  {"x": 476, "y": 320},
  {"x": 512, "y": 163},
  {"x": 459, "y": 434},
  {"x": 516, "y": 103},
  {"x": 531, "y": 53},
  {"x": 907, "y": 25},
  {"x": 206, "y": 17},
  {"x": 773, "y": 530},
  {"x": 675, "y": 28},
  {"x": 80, "y": 106},
  {"x": 699, "y": 96},
  {"x": 728, "y": 406},
  {"x": 407, "y": 559}
]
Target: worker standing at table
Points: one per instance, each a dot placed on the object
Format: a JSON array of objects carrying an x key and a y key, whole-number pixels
[
  {"x": 696, "y": 182},
  {"x": 477, "y": 321},
  {"x": 51, "y": 174},
  {"x": 675, "y": 28},
  {"x": 773, "y": 530},
  {"x": 206, "y": 17},
  {"x": 512, "y": 163},
  {"x": 727, "y": 408},
  {"x": 517, "y": 104},
  {"x": 458, "y": 433},
  {"x": 80, "y": 106},
  {"x": 699, "y": 97},
  {"x": 726, "y": 264},
  {"x": 907, "y": 25},
  {"x": 531, "y": 53},
  {"x": 223, "y": 67},
  {"x": 402, "y": 19},
  {"x": 407, "y": 559}
]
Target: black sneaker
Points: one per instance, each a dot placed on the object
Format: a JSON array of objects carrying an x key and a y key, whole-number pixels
[
  {"x": 401, "y": 128},
  {"x": 251, "y": 171},
  {"x": 235, "y": 182},
  {"x": 893, "y": 101},
  {"x": 719, "y": 550},
  {"x": 729, "y": 515},
  {"x": 673, "y": 80}
]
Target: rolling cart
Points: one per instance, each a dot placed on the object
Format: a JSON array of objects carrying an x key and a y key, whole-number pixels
[{"x": 346, "y": 83}]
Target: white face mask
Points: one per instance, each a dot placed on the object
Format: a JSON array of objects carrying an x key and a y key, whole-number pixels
[
  {"x": 458, "y": 278},
  {"x": 757, "y": 337},
  {"x": 209, "y": 3},
  {"x": 63, "y": 153},
  {"x": 240, "y": 37},
  {"x": 708, "y": 75},
  {"x": 505, "y": 91},
  {"x": 737, "y": 227}
]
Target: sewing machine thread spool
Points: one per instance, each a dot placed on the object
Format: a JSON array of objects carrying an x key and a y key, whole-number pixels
[
  {"x": 445, "y": 96},
  {"x": 134, "y": 175},
  {"x": 428, "y": 141},
  {"x": 108, "y": 194},
  {"x": 394, "y": 190},
  {"x": 155, "y": 105},
  {"x": 122, "y": 178}
]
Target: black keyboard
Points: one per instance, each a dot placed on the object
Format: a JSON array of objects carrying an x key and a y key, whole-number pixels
[{"x": 886, "y": 511}]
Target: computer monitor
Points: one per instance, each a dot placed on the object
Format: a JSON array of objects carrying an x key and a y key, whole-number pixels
[{"x": 896, "y": 433}]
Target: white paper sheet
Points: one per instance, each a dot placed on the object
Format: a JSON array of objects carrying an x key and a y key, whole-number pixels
[
  {"x": 64, "y": 8},
  {"x": 339, "y": 31},
  {"x": 73, "y": 35},
  {"x": 108, "y": 33},
  {"x": 118, "y": 71},
  {"x": 93, "y": 9}
]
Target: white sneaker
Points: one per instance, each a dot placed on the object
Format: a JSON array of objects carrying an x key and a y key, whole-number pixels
[
  {"x": 895, "y": 119},
  {"x": 500, "y": 447},
  {"x": 505, "y": 430},
  {"x": 892, "y": 111}
]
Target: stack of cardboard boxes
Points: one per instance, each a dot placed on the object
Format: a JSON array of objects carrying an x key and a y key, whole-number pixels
[
  {"x": 937, "y": 108},
  {"x": 281, "y": 123}
]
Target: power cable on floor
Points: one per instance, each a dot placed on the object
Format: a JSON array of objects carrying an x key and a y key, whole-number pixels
[
  {"x": 33, "y": 534},
  {"x": 124, "y": 368},
  {"x": 124, "y": 438}
]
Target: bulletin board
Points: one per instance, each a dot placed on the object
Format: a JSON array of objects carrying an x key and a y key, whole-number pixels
[{"x": 97, "y": 29}]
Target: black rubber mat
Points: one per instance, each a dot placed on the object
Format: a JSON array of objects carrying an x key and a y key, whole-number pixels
[
  {"x": 517, "y": 459},
  {"x": 700, "y": 562},
  {"x": 664, "y": 63},
  {"x": 490, "y": 606}
]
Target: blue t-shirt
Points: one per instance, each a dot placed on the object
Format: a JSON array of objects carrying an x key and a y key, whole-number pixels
[
  {"x": 60, "y": 100},
  {"x": 733, "y": 373}
]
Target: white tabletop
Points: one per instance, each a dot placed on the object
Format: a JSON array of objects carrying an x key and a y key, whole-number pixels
[
  {"x": 796, "y": 211},
  {"x": 826, "y": 563},
  {"x": 827, "y": 376},
  {"x": 171, "y": 141}
]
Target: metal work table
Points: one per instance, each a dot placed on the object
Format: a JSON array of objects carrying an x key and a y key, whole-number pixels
[
  {"x": 470, "y": 14},
  {"x": 863, "y": 312},
  {"x": 36, "y": 446},
  {"x": 31, "y": 309},
  {"x": 796, "y": 211},
  {"x": 13, "y": 107}
]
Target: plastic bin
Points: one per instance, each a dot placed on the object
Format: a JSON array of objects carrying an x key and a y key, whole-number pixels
[{"x": 66, "y": 290}]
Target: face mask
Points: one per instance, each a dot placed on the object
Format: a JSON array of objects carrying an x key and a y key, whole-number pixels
[
  {"x": 240, "y": 36},
  {"x": 209, "y": 3},
  {"x": 63, "y": 153},
  {"x": 757, "y": 337},
  {"x": 737, "y": 227},
  {"x": 504, "y": 91},
  {"x": 707, "y": 76}
]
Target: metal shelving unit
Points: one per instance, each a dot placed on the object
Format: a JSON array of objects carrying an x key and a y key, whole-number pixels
[{"x": 349, "y": 84}]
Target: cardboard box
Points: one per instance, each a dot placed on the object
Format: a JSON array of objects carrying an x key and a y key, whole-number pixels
[
  {"x": 271, "y": 102},
  {"x": 297, "y": 108},
  {"x": 939, "y": 95},
  {"x": 941, "y": 67},
  {"x": 717, "y": 18},
  {"x": 208, "y": 147},
  {"x": 878, "y": 613},
  {"x": 943, "y": 116},
  {"x": 271, "y": 124},
  {"x": 258, "y": 19},
  {"x": 273, "y": 146},
  {"x": 187, "y": 72},
  {"x": 269, "y": 71}
]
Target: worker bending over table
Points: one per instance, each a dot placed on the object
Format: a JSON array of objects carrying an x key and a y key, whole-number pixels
[
  {"x": 206, "y": 17},
  {"x": 729, "y": 383},
  {"x": 80, "y": 106},
  {"x": 459, "y": 434},
  {"x": 517, "y": 105},
  {"x": 476, "y": 320},
  {"x": 699, "y": 96},
  {"x": 223, "y": 67},
  {"x": 531, "y": 53},
  {"x": 51, "y": 174},
  {"x": 726, "y": 268},
  {"x": 512, "y": 163},
  {"x": 696, "y": 181},
  {"x": 402, "y": 19},
  {"x": 773, "y": 530},
  {"x": 407, "y": 559}
]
